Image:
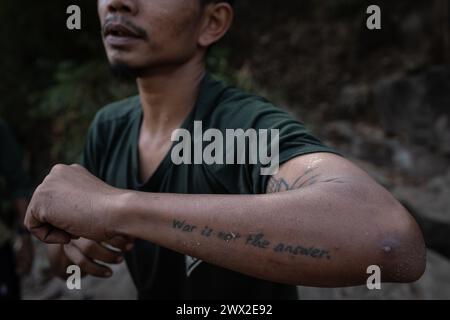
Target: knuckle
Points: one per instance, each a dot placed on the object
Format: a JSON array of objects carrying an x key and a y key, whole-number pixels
[
  {"x": 32, "y": 209},
  {"x": 42, "y": 185},
  {"x": 36, "y": 209},
  {"x": 57, "y": 169},
  {"x": 32, "y": 214},
  {"x": 38, "y": 191}
]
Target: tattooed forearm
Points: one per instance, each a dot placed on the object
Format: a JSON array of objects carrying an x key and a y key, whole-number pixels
[
  {"x": 228, "y": 236},
  {"x": 256, "y": 240},
  {"x": 300, "y": 250},
  {"x": 183, "y": 226},
  {"x": 206, "y": 231},
  {"x": 308, "y": 178}
]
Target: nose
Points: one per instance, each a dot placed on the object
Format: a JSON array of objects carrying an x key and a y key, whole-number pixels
[{"x": 122, "y": 6}]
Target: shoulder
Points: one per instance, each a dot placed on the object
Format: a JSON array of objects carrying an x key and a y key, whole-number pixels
[
  {"x": 117, "y": 112},
  {"x": 237, "y": 108},
  {"x": 113, "y": 119}
]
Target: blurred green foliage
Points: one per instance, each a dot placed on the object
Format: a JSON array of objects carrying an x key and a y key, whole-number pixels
[
  {"x": 218, "y": 62},
  {"x": 71, "y": 102}
]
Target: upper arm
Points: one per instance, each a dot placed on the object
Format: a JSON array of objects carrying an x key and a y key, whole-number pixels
[
  {"x": 352, "y": 193},
  {"x": 316, "y": 168}
]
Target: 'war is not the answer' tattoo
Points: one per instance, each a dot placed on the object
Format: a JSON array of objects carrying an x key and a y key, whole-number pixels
[
  {"x": 259, "y": 241},
  {"x": 206, "y": 231},
  {"x": 303, "y": 251},
  {"x": 308, "y": 178},
  {"x": 256, "y": 240}
]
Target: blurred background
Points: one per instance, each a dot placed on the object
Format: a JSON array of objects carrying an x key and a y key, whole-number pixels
[{"x": 382, "y": 98}]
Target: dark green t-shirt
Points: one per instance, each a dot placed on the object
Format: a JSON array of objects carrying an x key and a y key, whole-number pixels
[{"x": 111, "y": 153}]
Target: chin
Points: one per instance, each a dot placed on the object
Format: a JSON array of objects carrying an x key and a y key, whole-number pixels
[{"x": 125, "y": 71}]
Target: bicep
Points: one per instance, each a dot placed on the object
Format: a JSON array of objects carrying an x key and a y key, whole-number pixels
[{"x": 313, "y": 169}]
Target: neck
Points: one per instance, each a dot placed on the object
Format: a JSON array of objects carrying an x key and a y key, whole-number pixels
[{"x": 168, "y": 95}]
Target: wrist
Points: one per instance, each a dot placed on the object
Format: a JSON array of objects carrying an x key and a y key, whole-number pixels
[{"x": 120, "y": 213}]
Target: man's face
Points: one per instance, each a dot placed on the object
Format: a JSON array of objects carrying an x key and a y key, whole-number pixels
[{"x": 145, "y": 34}]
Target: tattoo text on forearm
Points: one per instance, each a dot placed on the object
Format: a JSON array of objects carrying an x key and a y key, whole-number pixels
[
  {"x": 259, "y": 240},
  {"x": 256, "y": 240}
]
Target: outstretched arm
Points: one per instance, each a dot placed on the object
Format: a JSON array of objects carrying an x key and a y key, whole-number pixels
[{"x": 322, "y": 223}]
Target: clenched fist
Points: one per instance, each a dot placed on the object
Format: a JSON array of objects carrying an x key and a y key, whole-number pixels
[{"x": 71, "y": 203}]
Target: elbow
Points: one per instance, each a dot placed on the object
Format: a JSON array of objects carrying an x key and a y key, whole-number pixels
[{"x": 402, "y": 249}]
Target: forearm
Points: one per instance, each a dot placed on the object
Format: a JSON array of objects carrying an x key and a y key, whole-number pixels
[
  {"x": 318, "y": 236},
  {"x": 332, "y": 224}
]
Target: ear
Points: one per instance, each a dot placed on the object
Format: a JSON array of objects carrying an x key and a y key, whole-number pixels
[{"x": 217, "y": 19}]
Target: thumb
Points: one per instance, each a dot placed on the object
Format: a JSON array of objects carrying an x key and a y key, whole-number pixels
[{"x": 49, "y": 234}]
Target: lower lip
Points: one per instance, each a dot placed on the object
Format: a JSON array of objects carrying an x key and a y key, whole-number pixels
[{"x": 120, "y": 41}]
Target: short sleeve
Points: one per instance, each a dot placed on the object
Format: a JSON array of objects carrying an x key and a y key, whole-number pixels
[
  {"x": 294, "y": 140},
  {"x": 257, "y": 116}
]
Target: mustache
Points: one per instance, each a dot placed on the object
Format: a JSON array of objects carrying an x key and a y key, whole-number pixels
[{"x": 141, "y": 33}]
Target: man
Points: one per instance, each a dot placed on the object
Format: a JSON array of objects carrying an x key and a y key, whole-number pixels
[
  {"x": 211, "y": 230},
  {"x": 16, "y": 186}
]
